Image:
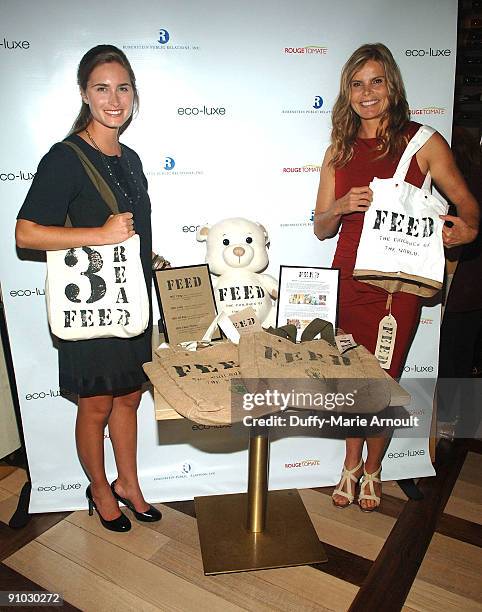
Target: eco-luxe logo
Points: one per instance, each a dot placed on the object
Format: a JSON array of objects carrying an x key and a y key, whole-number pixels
[
  {"x": 12, "y": 45},
  {"x": 27, "y": 292},
  {"x": 43, "y": 394},
  {"x": 428, "y": 52},
  {"x": 61, "y": 487},
  {"x": 17, "y": 175},
  {"x": 201, "y": 111},
  {"x": 306, "y": 50}
]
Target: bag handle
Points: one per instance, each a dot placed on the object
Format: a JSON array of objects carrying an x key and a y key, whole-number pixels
[
  {"x": 322, "y": 327},
  {"x": 97, "y": 180},
  {"x": 415, "y": 144}
]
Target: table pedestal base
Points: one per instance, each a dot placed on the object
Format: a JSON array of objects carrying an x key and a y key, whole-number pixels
[{"x": 227, "y": 545}]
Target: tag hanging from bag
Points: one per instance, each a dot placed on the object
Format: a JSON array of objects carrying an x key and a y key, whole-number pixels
[{"x": 387, "y": 333}]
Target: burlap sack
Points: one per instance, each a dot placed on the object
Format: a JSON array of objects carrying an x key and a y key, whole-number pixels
[{"x": 272, "y": 362}]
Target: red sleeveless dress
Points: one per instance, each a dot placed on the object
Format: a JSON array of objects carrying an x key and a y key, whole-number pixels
[{"x": 361, "y": 306}]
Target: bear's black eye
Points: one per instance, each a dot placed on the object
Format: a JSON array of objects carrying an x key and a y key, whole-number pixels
[
  {"x": 225, "y": 242},
  {"x": 249, "y": 240}
]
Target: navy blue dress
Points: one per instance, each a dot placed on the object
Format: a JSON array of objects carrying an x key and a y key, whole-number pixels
[{"x": 60, "y": 187}]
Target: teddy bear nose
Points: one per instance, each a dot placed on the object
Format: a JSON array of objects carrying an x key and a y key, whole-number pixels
[{"x": 239, "y": 251}]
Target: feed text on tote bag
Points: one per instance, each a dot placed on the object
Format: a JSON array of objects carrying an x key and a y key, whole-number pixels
[{"x": 401, "y": 246}]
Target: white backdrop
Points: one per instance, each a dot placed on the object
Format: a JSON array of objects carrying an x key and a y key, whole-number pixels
[{"x": 234, "y": 121}]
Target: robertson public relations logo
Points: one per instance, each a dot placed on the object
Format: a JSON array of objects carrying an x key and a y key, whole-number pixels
[
  {"x": 163, "y": 42},
  {"x": 306, "y": 50},
  {"x": 13, "y": 45},
  {"x": 184, "y": 471},
  {"x": 315, "y": 106},
  {"x": 169, "y": 166}
]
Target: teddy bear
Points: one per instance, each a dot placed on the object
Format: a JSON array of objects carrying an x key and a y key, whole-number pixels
[{"x": 236, "y": 252}]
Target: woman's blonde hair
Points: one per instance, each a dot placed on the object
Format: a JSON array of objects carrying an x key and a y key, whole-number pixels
[{"x": 346, "y": 122}]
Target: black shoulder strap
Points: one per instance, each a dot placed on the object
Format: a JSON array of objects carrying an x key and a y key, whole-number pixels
[{"x": 96, "y": 178}]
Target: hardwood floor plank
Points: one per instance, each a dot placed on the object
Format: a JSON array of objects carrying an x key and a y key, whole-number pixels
[
  {"x": 139, "y": 541},
  {"x": 454, "y": 566},
  {"x": 80, "y": 586},
  {"x": 460, "y": 529},
  {"x": 134, "y": 574},
  {"x": 14, "y": 481},
  {"x": 426, "y": 597},
  {"x": 186, "y": 507},
  {"x": 10, "y": 580},
  {"x": 344, "y": 565},
  {"x": 331, "y": 593},
  {"x": 471, "y": 470},
  {"x": 245, "y": 589},
  {"x": 465, "y": 502},
  {"x": 347, "y": 529},
  {"x": 13, "y": 539},
  {"x": 399, "y": 560}
]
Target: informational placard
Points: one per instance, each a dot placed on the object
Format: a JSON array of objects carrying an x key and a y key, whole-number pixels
[
  {"x": 186, "y": 302},
  {"x": 307, "y": 293}
]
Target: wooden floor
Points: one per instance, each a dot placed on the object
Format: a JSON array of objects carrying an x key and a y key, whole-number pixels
[{"x": 412, "y": 555}]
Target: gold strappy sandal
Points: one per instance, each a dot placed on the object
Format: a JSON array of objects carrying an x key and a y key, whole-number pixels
[
  {"x": 369, "y": 480},
  {"x": 347, "y": 478}
]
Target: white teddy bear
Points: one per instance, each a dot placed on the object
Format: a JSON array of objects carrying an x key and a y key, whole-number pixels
[{"x": 236, "y": 252}]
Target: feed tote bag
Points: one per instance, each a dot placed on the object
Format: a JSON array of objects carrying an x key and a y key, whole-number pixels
[
  {"x": 271, "y": 362},
  {"x": 97, "y": 291},
  {"x": 401, "y": 245}
]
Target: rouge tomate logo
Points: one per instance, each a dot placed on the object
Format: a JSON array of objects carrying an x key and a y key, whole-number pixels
[
  {"x": 428, "y": 110},
  {"x": 306, "y": 169},
  {"x": 306, "y": 50}
]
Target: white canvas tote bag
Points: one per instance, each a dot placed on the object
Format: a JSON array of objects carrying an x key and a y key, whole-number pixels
[
  {"x": 401, "y": 245},
  {"x": 97, "y": 291}
]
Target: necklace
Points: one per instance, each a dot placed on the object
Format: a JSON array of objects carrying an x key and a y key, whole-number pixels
[{"x": 132, "y": 201}]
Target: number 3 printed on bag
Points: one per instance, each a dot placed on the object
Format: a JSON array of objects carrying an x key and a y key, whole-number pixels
[{"x": 97, "y": 283}]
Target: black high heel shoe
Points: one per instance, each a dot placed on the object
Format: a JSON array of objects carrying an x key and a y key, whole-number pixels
[
  {"x": 149, "y": 516},
  {"x": 121, "y": 523}
]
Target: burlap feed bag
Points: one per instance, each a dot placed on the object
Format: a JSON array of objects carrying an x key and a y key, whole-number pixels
[{"x": 268, "y": 361}]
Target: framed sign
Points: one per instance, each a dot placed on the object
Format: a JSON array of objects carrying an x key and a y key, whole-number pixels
[
  {"x": 186, "y": 302},
  {"x": 307, "y": 293}
]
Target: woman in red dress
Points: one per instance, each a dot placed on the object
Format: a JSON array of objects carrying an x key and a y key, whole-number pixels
[{"x": 371, "y": 128}]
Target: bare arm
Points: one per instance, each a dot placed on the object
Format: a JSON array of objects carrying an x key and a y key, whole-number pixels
[
  {"x": 435, "y": 156},
  {"x": 328, "y": 211},
  {"x": 30, "y": 235}
]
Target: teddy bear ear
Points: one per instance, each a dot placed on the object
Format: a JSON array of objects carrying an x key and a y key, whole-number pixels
[
  {"x": 202, "y": 233},
  {"x": 266, "y": 237}
]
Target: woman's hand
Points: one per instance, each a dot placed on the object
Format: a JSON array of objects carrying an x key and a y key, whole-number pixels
[
  {"x": 436, "y": 157},
  {"x": 159, "y": 263},
  {"x": 459, "y": 233},
  {"x": 358, "y": 199},
  {"x": 328, "y": 211},
  {"x": 118, "y": 228}
]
